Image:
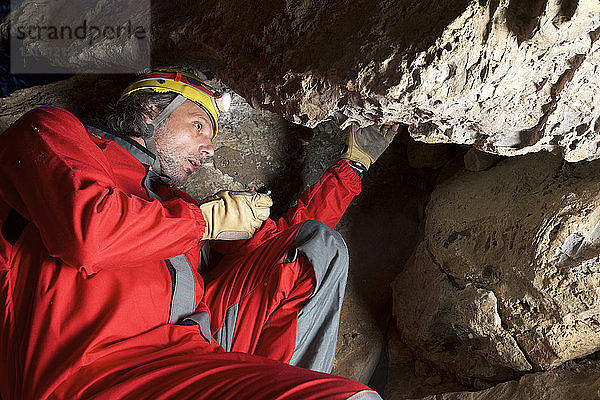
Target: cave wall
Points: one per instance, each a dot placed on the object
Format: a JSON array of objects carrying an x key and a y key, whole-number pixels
[{"x": 507, "y": 76}]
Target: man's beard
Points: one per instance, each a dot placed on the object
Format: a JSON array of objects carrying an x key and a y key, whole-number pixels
[
  {"x": 174, "y": 160},
  {"x": 172, "y": 167}
]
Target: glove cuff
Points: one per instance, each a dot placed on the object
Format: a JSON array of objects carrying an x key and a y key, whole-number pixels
[{"x": 357, "y": 167}]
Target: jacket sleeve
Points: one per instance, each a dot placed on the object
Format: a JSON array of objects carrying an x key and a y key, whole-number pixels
[
  {"x": 326, "y": 200},
  {"x": 55, "y": 176}
]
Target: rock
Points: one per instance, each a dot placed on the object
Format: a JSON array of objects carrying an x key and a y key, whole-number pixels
[
  {"x": 360, "y": 341},
  {"x": 253, "y": 149},
  {"x": 112, "y": 36},
  {"x": 433, "y": 380},
  {"x": 509, "y": 76},
  {"x": 574, "y": 380},
  {"x": 324, "y": 149},
  {"x": 506, "y": 276},
  {"x": 409, "y": 377},
  {"x": 458, "y": 330},
  {"x": 476, "y": 160}
]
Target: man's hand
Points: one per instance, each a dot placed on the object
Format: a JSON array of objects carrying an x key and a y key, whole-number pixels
[
  {"x": 234, "y": 215},
  {"x": 365, "y": 145}
]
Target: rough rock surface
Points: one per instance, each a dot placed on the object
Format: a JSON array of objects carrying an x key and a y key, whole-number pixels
[
  {"x": 508, "y": 76},
  {"x": 575, "y": 380},
  {"x": 506, "y": 277},
  {"x": 411, "y": 377}
]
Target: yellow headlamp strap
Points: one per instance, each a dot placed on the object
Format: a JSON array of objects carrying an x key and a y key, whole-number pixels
[{"x": 186, "y": 85}]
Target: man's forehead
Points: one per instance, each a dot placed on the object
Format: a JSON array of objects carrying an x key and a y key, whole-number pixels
[
  {"x": 189, "y": 107},
  {"x": 190, "y": 110}
]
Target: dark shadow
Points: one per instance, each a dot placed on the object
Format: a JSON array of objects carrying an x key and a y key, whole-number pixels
[
  {"x": 568, "y": 8},
  {"x": 273, "y": 37},
  {"x": 91, "y": 94},
  {"x": 286, "y": 185},
  {"x": 385, "y": 225},
  {"x": 523, "y": 17},
  {"x": 379, "y": 379}
]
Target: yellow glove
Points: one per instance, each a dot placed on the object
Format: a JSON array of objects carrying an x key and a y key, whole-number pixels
[
  {"x": 234, "y": 215},
  {"x": 365, "y": 145}
]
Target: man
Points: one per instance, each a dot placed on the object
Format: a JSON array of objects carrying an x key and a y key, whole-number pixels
[{"x": 102, "y": 293}]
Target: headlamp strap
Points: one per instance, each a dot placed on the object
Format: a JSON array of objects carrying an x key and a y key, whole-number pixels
[
  {"x": 151, "y": 147},
  {"x": 149, "y": 138},
  {"x": 176, "y": 102}
]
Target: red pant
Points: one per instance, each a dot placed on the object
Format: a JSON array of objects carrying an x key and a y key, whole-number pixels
[{"x": 269, "y": 293}]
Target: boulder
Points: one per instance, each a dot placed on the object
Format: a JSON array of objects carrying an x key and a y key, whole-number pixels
[
  {"x": 574, "y": 380},
  {"x": 506, "y": 276}
]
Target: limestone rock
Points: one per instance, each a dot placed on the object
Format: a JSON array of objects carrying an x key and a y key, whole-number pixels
[
  {"x": 253, "y": 149},
  {"x": 325, "y": 147},
  {"x": 575, "y": 380},
  {"x": 506, "y": 276},
  {"x": 507, "y": 76},
  {"x": 458, "y": 330}
]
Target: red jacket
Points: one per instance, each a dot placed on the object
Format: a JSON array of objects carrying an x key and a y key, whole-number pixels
[{"x": 86, "y": 277}]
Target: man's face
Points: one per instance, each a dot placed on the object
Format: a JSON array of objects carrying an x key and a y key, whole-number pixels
[{"x": 184, "y": 142}]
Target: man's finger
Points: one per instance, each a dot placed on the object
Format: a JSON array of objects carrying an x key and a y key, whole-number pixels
[{"x": 262, "y": 200}]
